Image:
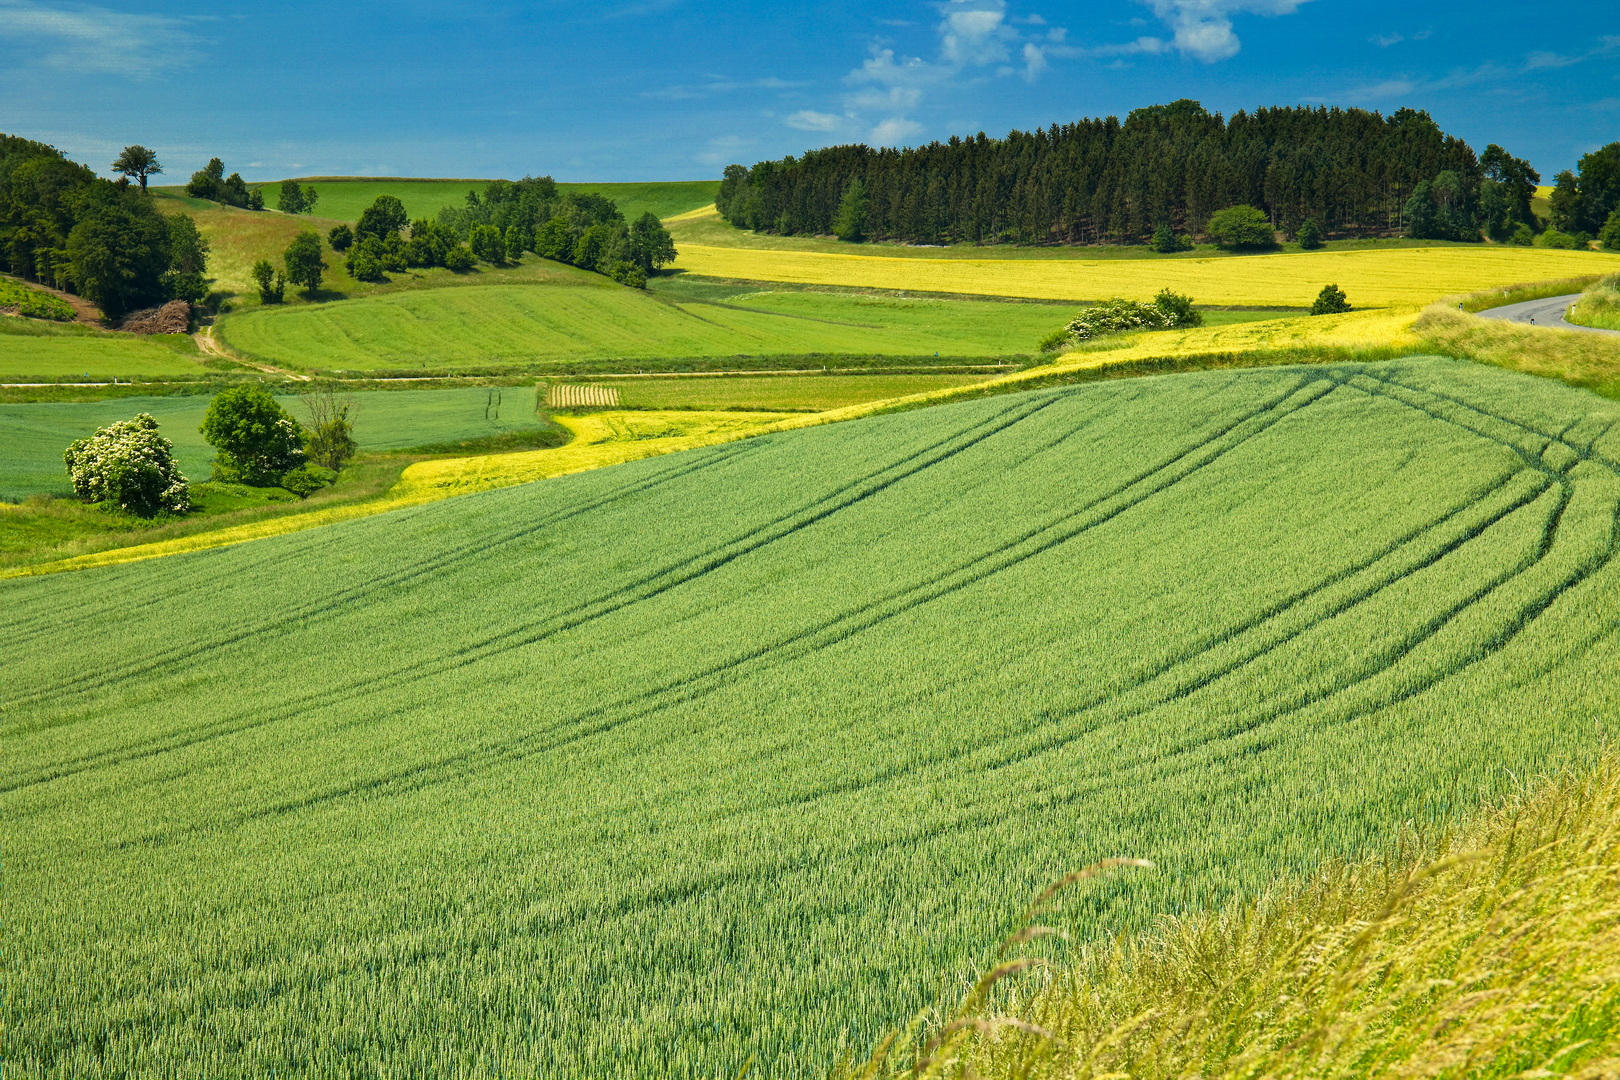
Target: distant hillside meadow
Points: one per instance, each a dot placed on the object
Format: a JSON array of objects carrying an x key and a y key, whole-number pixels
[{"x": 743, "y": 755}]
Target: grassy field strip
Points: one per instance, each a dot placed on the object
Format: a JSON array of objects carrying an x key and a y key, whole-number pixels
[
  {"x": 1401, "y": 276},
  {"x": 563, "y": 326},
  {"x": 646, "y": 434},
  {"x": 344, "y": 199},
  {"x": 749, "y": 753}
]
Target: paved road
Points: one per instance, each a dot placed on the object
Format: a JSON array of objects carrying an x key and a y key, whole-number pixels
[{"x": 1545, "y": 312}]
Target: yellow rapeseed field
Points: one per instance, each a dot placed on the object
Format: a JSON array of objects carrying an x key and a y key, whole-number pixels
[{"x": 1373, "y": 277}]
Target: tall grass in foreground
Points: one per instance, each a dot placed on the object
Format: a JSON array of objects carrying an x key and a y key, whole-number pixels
[
  {"x": 1491, "y": 950},
  {"x": 1599, "y": 305},
  {"x": 1574, "y": 356}
]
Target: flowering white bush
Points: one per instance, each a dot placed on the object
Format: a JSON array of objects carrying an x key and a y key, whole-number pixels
[
  {"x": 129, "y": 464},
  {"x": 1115, "y": 316},
  {"x": 1169, "y": 311}
]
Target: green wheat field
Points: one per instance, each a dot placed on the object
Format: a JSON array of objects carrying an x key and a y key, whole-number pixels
[{"x": 740, "y": 756}]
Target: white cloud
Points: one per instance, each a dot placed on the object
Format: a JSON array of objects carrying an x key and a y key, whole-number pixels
[
  {"x": 894, "y": 131},
  {"x": 1536, "y": 61},
  {"x": 1384, "y": 41},
  {"x": 1203, "y": 28},
  {"x": 1034, "y": 61},
  {"x": 93, "y": 39},
  {"x": 1389, "y": 88},
  {"x": 975, "y": 35},
  {"x": 810, "y": 120}
]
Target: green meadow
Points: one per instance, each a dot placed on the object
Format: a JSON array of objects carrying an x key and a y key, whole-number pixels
[
  {"x": 33, "y": 436},
  {"x": 32, "y": 350},
  {"x": 343, "y": 197},
  {"x": 737, "y": 757},
  {"x": 598, "y": 326}
]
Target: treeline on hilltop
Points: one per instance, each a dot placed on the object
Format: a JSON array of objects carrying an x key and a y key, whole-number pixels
[
  {"x": 1350, "y": 172},
  {"x": 497, "y": 227},
  {"x": 510, "y": 217},
  {"x": 583, "y": 229},
  {"x": 65, "y": 227}
]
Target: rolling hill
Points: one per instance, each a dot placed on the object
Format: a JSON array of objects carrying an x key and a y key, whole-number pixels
[
  {"x": 342, "y": 198},
  {"x": 744, "y": 754}
]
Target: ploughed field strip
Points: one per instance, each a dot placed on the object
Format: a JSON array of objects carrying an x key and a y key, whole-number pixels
[{"x": 751, "y": 751}]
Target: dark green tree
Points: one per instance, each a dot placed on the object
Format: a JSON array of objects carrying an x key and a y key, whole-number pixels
[
  {"x": 384, "y": 217},
  {"x": 1310, "y": 235},
  {"x": 1422, "y": 216},
  {"x": 234, "y": 191},
  {"x": 340, "y": 237},
  {"x": 488, "y": 244},
  {"x": 849, "y": 223},
  {"x": 651, "y": 246},
  {"x": 515, "y": 242},
  {"x": 367, "y": 260},
  {"x": 119, "y": 253},
  {"x": 1505, "y": 194},
  {"x": 188, "y": 261},
  {"x": 1239, "y": 227},
  {"x": 1564, "y": 203},
  {"x": 272, "y": 283},
  {"x": 304, "y": 263},
  {"x": 1599, "y": 188},
  {"x": 1165, "y": 241},
  {"x": 1330, "y": 301},
  {"x": 555, "y": 240},
  {"x": 139, "y": 162},
  {"x": 1609, "y": 235},
  {"x": 311, "y": 197},
  {"x": 206, "y": 182},
  {"x": 254, "y": 438},
  {"x": 290, "y": 200},
  {"x": 460, "y": 259}
]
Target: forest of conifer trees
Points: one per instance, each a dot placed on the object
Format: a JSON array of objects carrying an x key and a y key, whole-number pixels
[{"x": 1354, "y": 173}]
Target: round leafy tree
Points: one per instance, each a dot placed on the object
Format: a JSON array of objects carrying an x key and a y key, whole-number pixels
[
  {"x": 129, "y": 464},
  {"x": 1241, "y": 227},
  {"x": 256, "y": 439},
  {"x": 1310, "y": 235}
]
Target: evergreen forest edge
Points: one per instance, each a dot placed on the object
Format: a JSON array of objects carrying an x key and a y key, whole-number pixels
[{"x": 1168, "y": 170}]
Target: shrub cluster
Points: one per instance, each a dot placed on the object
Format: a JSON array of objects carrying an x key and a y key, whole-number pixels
[
  {"x": 1168, "y": 311},
  {"x": 129, "y": 465},
  {"x": 210, "y": 182}
]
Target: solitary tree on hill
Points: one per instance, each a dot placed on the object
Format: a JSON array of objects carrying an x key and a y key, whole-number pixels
[
  {"x": 304, "y": 262},
  {"x": 139, "y": 162}
]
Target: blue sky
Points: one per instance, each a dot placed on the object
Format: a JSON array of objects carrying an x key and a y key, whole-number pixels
[{"x": 676, "y": 89}]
